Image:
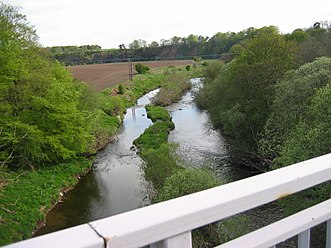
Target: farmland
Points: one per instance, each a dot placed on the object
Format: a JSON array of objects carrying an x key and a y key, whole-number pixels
[{"x": 101, "y": 76}]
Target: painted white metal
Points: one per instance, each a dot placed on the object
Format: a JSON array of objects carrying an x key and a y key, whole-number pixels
[
  {"x": 161, "y": 221},
  {"x": 304, "y": 239},
  {"x": 285, "y": 228},
  {"x": 183, "y": 240},
  {"x": 328, "y": 234},
  {"x": 76, "y": 237}
]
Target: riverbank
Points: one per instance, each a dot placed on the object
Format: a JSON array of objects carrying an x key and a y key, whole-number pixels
[{"x": 27, "y": 196}]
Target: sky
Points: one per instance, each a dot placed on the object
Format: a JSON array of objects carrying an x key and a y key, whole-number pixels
[{"x": 109, "y": 23}]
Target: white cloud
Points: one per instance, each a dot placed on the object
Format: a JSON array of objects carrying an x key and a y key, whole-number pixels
[{"x": 110, "y": 23}]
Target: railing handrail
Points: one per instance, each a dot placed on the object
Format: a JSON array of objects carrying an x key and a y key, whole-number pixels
[{"x": 168, "y": 219}]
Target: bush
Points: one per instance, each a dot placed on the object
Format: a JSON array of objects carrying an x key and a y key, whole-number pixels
[
  {"x": 141, "y": 68},
  {"x": 186, "y": 182},
  {"x": 160, "y": 163},
  {"x": 121, "y": 89}
]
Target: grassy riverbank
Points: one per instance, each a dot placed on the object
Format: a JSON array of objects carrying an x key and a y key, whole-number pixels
[{"x": 27, "y": 195}]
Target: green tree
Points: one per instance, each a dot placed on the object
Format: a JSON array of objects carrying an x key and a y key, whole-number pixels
[
  {"x": 311, "y": 137},
  {"x": 43, "y": 119},
  {"x": 292, "y": 97},
  {"x": 240, "y": 96}
]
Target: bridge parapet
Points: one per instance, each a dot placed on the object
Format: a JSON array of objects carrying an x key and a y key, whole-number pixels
[{"x": 169, "y": 224}]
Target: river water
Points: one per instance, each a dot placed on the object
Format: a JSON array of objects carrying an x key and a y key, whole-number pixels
[{"x": 116, "y": 182}]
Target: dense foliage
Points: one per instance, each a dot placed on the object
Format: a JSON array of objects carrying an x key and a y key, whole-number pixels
[
  {"x": 273, "y": 101},
  {"x": 238, "y": 96},
  {"x": 43, "y": 115},
  {"x": 294, "y": 96}
]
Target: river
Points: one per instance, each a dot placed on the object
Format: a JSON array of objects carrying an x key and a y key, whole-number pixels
[{"x": 116, "y": 182}]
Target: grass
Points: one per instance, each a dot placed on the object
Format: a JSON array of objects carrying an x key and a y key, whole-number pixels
[
  {"x": 154, "y": 136},
  {"x": 26, "y": 196},
  {"x": 160, "y": 162},
  {"x": 157, "y": 113}
]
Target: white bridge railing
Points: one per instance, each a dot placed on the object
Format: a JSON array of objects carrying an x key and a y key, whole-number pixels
[{"x": 169, "y": 224}]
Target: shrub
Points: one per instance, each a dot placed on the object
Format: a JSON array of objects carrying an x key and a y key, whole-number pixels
[
  {"x": 121, "y": 89},
  {"x": 141, "y": 68},
  {"x": 160, "y": 163},
  {"x": 172, "y": 89},
  {"x": 186, "y": 182}
]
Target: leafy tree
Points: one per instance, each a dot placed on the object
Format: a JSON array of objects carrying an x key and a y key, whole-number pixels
[
  {"x": 121, "y": 89},
  {"x": 292, "y": 97},
  {"x": 240, "y": 96},
  {"x": 311, "y": 137},
  {"x": 43, "y": 118}
]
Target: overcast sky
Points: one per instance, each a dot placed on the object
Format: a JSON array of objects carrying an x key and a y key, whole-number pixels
[{"x": 109, "y": 23}]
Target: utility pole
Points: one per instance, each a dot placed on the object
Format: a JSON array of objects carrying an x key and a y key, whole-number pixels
[
  {"x": 124, "y": 56},
  {"x": 130, "y": 70}
]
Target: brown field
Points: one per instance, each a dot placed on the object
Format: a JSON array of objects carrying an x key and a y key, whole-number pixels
[{"x": 101, "y": 76}]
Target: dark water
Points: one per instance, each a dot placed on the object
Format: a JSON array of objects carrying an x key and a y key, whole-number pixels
[{"x": 116, "y": 183}]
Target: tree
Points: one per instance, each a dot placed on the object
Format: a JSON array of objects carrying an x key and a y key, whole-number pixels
[
  {"x": 240, "y": 96},
  {"x": 42, "y": 115},
  {"x": 292, "y": 97}
]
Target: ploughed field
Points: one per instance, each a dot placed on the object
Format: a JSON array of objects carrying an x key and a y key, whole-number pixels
[{"x": 102, "y": 76}]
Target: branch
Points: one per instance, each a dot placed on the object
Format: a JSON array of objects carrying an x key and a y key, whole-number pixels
[{"x": 6, "y": 160}]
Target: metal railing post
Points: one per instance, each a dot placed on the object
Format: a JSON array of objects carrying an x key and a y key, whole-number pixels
[
  {"x": 304, "y": 239},
  {"x": 328, "y": 234}
]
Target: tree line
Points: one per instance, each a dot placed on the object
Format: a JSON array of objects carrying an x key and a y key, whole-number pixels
[{"x": 313, "y": 41}]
